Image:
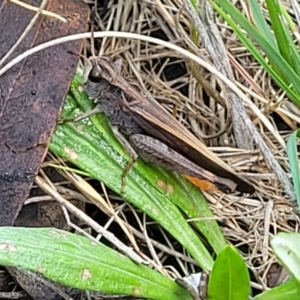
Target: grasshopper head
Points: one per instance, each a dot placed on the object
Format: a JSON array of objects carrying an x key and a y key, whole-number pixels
[
  {"x": 95, "y": 84},
  {"x": 95, "y": 73}
]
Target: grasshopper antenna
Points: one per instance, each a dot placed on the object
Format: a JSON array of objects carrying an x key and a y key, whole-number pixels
[
  {"x": 89, "y": 62},
  {"x": 92, "y": 32}
]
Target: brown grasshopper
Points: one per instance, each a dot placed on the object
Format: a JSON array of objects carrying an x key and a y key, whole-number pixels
[{"x": 148, "y": 131}]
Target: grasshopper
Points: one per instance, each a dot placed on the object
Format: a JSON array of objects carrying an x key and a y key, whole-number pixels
[{"x": 148, "y": 131}]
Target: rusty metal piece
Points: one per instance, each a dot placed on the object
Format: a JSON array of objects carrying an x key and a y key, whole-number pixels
[{"x": 32, "y": 93}]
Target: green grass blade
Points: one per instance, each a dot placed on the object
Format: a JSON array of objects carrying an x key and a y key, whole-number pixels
[
  {"x": 292, "y": 151},
  {"x": 284, "y": 75},
  {"x": 262, "y": 24},
  {"x": 283, "y": 37},
  {"x": 277, "y": 25}
]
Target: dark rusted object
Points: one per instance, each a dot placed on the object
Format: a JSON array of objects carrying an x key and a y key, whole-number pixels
[
  {"x": 164, "y": 141},
  {"x": 32, "y": 93},
  {"x": 40, "y": 288}
]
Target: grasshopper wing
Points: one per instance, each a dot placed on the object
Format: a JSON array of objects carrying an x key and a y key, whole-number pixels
[{"x": 157, "y": 122}]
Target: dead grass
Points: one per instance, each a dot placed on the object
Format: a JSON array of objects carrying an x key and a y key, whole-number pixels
[{"x": 248, "y": 222}]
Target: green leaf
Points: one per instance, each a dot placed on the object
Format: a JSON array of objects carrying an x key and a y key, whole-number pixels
[
  {"x": 286, "y": 247},
  {"x": 285, "y": 291},
  {"x": 229, "y": 279},
  {"x": 261, "y": 23},
  {"x": 92, "y": 147},
  {"x": 283, "y": 37},
  {"x": 292, "y": 152},
  {"x": 77, "y": 262},
  {"x": 278, "y": 68},
  {"x": 277, "y": 25}
]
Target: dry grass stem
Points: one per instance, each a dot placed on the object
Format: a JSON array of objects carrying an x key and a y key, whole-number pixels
[
  {"x": 248, "y": 222},
  {"x": 154, "y": 40},
  {"x": 43, "y": 12}
]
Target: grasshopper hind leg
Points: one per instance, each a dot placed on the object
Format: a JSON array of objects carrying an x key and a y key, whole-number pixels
[{"x": 158, "y": 153}]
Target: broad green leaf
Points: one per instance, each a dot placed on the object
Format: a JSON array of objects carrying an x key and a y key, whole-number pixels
[
  {"x": 286, "y": 247},
  {"x": 229, "y": 279},
  {"x": 92, "y": 147},
  {"x": 292, "y": 152},
  {"x": 285, "y": 291},
  {"x": 75, "y": 261}
]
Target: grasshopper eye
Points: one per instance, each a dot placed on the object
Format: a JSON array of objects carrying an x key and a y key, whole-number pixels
[{"x": 95, "y": 74}]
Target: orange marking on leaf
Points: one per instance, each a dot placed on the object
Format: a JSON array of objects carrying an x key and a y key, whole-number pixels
[{"x": 202, "y": 184}]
